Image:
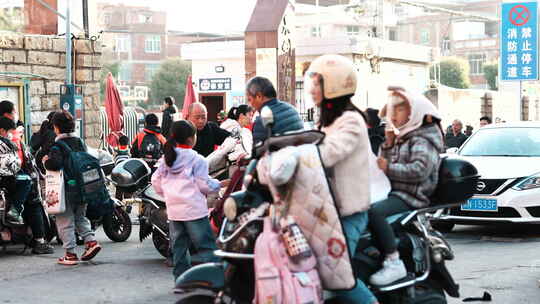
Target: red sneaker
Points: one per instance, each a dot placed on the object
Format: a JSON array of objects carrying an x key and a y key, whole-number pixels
[
  {"x": 69, "y": 259},
  {"x": 92, "y": 249}
]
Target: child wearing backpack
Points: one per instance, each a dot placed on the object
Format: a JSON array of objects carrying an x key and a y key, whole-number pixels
[
  {"x": 75, "y": 215},
  {"x": 182, "y": 179}
]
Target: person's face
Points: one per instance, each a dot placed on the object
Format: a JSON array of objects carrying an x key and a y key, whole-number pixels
[
  {"x": 483, "y": 122},
  {"x": 198, "y": 117},
  {"x": 456, "y": 126},
  {"x": 256, "y": 101},
  {"x": 245, "y": 119},
  {"x": 400, "y": 115},
  {"x": 56, "y": 130},
  {"x": 316, "y": 90}
]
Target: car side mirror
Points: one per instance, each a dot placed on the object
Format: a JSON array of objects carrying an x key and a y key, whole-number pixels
[
  {"x": 452, "y": 150},
  {"x": 267, "y": 117}
]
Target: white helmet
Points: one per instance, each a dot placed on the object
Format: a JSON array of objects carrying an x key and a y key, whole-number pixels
[{"x": 338, "y": 73}]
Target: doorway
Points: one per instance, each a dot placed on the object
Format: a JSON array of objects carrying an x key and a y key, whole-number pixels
[{"x": 214, "y": 103}]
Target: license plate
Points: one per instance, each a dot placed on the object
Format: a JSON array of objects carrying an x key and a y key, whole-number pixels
[{"x": 480, "y": 204}]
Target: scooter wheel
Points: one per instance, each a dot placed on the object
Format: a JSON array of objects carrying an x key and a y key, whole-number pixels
[
  {"x": 117, "y": 226},
  {"x": 161, "y": 243}
]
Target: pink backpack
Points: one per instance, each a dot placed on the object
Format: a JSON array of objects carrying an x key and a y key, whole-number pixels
[{"x": 277, "y": 278}]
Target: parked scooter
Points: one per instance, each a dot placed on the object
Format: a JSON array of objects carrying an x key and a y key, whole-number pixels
[
  {"x": 422, "y": 248},
  {"x": 117, "y": 225}
]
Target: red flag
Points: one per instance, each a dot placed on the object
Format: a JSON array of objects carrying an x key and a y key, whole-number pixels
[
  {"x": 115, "y": 111},
  {"x": 189, "y": 98}
]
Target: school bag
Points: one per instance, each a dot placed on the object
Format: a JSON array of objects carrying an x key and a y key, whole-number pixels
[
  {"x": 85, "y": 181},
  {"x": 150, "y": 145},
  {"x": 279, "y": 279}
]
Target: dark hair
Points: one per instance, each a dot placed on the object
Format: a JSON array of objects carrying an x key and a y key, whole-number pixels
[
  {"x": 372, "y": 117},
  {"x": 169, "y": 100},
  {"x": 261, "y": 85},
  {"x": 46, "y": 125},
  {"x": 63, "y": 121},
  {"x": 333, "y": 108},
  {"x": 181, "y": 130},
  {"x": 123, "y": 140},
  {"x": 6, "y": 124},
  {"x": 6, "y": 106},
  {"x": 486, "y": 118},
  {"x": 151, "y": 120},
  {"x": 232, "y": 113}
]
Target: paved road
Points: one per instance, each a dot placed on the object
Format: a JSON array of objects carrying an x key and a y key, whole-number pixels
[{"x": 503, "y": 261}]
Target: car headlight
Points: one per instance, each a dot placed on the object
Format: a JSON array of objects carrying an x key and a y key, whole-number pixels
[
  {"x": 531, "y": 182},
  {"x": 229, "y": 208}
]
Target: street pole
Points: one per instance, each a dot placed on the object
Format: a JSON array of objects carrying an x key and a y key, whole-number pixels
[
  {"x": 85, "y": 19},
  {"x": 68, "y": 44}
]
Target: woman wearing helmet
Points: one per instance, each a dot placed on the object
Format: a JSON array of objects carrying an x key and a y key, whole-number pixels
[{"x": 331, "y": 82}]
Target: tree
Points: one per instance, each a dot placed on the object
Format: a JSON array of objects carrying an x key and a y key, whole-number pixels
[
  {"x": 454, "y": 72},
  {"x": 491, "y": 71},
  {"x": 111, "y": 67},
  {"x": 170, "y": 80}
]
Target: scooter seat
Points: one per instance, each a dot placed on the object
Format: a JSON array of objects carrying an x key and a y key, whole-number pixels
[{"x": 151, "y": 193}]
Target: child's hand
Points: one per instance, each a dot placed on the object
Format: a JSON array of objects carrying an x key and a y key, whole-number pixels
[
  {"x": 382, "y": 163},
  {"x": 45, "y": 158},
  {"x": 225, "y": 183}
]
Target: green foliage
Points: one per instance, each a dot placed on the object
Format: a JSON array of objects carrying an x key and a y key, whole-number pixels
[
  {"x": 491, "y": 71},
  {"x": 170, "y": 80},
  {"x": 111, "y": 67},
  {"x": 454, "y": 72}
]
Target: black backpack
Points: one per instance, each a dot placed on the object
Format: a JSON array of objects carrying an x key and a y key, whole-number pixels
[
  {"x": 85, "y": 181},
  {"x": 150, "y": 145}
]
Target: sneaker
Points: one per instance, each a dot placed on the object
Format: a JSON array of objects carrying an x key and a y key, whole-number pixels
[
  {"x": 92, "y": 249},
  {"x": 14, "y": 217},
  {"x": 42, "y": 248},
  {"x": 69, "y": 259},
  {"x": 392, "y": 271}
]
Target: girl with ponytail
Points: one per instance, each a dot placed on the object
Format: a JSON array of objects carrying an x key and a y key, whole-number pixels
[{"x": 182, "y": 179}]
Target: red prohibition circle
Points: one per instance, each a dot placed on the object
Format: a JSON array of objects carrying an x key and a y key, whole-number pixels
[{"x": 519, "y": 20}]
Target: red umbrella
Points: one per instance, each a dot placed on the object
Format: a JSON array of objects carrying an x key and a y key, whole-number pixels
[
  {"x": 115, "y": 111},
  {"x": 189, "y": 98}
]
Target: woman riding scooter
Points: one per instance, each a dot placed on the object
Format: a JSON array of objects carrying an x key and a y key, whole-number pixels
[{"x": 344, "y": 150}]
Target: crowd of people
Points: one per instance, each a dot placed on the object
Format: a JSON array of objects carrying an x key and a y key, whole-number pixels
[{"x": 401, "y": 143}]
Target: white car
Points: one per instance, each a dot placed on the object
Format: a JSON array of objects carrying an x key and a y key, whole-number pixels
[{"x": 507, "y": 157}]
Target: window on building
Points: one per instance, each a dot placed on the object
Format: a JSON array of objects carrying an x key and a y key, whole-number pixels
[
  {"x": 152, "y": 44},
  {"x": 446, "y": 45},
  {"x": 353, "y": 30},
  {"x": 476, "y": 63},
  {"x": 107, "y": 18},
  {"x": 424, "y": 36},
  {"x": 316, "y": 31},
  {"x": 150, "y": 70},
  {"x": 122, "y": 44},
  {"x": 124, "y": 72},
  {"x": 145, "y": 18},
  {"x": 392, "y": 35}
]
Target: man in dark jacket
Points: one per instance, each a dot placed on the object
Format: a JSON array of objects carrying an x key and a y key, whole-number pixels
[
  {"x": 167, "y": 118},
  {"x": 149, "y": 143},
  {"x": 209, "y": 134},
  {"x": 260, "y": 92},
  {"x": 455, "y": 138}
]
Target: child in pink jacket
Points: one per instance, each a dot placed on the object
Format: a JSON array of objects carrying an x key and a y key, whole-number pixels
[{"x": 182, "y": 179}]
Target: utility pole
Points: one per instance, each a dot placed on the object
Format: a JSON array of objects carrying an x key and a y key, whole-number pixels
[{"x": 68, "y": 43}]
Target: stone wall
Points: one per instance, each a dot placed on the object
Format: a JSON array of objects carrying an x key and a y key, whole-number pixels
[{"x": 45, "y": 56}]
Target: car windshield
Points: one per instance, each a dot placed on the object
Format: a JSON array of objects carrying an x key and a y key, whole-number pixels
[{"x": 515, "y": 142}]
